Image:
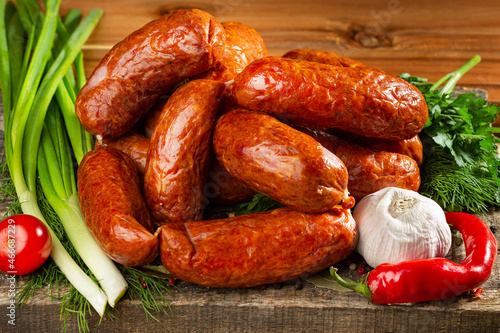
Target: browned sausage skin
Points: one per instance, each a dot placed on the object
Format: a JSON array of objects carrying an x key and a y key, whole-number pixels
[
  {"x": 224, "y": 189},
  {"x": 256, "y": 249},
  {"x": 365, "y": 101},
  {"x": 411, "y": 147},
  {"x": 370, "y": 170},
  {"x": 113, "y": 207},
  {"x": 174, "y": 47},
  {"x": 278, "y": 161},
  {"x": 323, "y": 57},
  {"x": 179, "y": 153},
  {"x": 133, "y": 144},
  {"x": 151, "y": 118},
  {"x": 243, "y": 45}
]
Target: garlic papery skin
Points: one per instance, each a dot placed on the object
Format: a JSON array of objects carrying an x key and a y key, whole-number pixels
[{"x": 396, "y": 225}]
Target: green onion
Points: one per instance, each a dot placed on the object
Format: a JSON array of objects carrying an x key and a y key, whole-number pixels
[
  {"x": 43, "y": 72},
  {"x": 450, "y": 80},
  {"x": 57, "y": 179}
]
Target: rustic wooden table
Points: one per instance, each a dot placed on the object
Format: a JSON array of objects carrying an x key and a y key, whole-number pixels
[{"x": 425, "y": 38}]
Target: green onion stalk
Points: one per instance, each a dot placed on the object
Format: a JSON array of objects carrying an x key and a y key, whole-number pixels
[{"x": 37, "y": 91}]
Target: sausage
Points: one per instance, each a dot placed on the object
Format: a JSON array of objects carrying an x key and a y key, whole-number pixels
[
  {"x": 133, "y": 144},
  {"x": 174, "y": 47},
  {"x": 179, "y": 153},
  {"x": 151, "y": 118},
  {"x": 256, "y": 249},
  {"x": 243, "y": 45},
  {"x": 278, "y": 161},
  {"x": 364, "y": 101},
  {"x": 221, "y": 188},
  {"x": 411, "y": 147},
  {"x": 224, "y": 189},
  {"x": 323, "y": 57},
  {"x": 113, "y": 207},
  {"x": 370, "y": 170}
]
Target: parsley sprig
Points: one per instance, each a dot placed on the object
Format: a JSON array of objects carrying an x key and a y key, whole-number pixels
[{"x": 461, "y": 161}]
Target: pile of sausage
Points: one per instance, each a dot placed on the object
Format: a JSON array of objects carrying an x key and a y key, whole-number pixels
[{"x": 188, "y": 111}]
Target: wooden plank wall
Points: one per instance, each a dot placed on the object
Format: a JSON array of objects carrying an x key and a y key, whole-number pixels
[{"x": 427, "y": 38}]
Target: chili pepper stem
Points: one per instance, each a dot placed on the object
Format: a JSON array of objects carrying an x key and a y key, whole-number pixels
[{"x": 356, "y": 286}]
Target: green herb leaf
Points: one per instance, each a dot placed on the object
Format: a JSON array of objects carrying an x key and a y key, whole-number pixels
[
  {"x": 259, "y": 203},
  {"x": 461, "y": 161}
]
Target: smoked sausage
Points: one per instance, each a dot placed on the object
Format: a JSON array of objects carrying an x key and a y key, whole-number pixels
[
  {"x": 323, "y": 57},
  {"x": 224, "y": 189},
  {"x": 133, "y": 144},
  {"x": 145, "y": 65},
  {"x": 364, "y": 101},
  {"x": 113, "y": 207},
  {"x": 259, "y": 248},
  {"x": 370, "y": 170},
  {"x": 243, "y": 45},
  {"x": 151, "y": 118},
  {"x": 411, "y": 147},
  {"x": 179, "y": 153},
  {"x": 221, "y": 188},
  {"x": 278, "y": 161}
]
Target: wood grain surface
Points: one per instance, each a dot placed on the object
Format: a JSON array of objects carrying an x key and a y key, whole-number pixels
[
  {"x": 297, "y": 306},
  {"x": 425, "y": 38}
]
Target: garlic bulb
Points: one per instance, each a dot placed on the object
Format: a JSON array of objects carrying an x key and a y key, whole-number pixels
[{"x": 396, "y": 225}]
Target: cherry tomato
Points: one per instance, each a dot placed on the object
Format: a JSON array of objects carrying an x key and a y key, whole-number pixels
[{"x": 25, "y": 244}]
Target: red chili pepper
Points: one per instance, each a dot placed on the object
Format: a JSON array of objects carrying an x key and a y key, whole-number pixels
[{"x": 437, "y": 278}]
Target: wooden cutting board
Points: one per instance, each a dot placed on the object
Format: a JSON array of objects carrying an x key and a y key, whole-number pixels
[{"x": 297, "y": 306}]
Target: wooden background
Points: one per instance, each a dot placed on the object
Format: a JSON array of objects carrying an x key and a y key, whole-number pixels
[{"x": 425, "y": 38}]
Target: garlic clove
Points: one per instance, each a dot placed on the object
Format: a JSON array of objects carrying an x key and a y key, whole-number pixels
[{"x": 397, "y": 225}]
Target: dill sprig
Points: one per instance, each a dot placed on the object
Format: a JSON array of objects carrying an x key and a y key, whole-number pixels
[
  {"x": 150, "y": 290},
  {"x": 446, "y": 182}
]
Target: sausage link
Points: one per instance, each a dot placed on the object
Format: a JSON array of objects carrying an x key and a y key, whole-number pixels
[
  {"x": 224, "y": 189},
  {"x": 255, "y": 249},
  {"x": 151, "y": 118},
  {"x": 179, "y": 153},
  {"x": 323, "y": 57},
  {"x": 411, "y": 147},
  {"x": 370, "y": 170},
  {"x": 278, "y": 161},
  {"x": 243, "y": 45},
  {"x": 146, "y": 64},
  {"x": 365, "y": 101},
  {"x": 113, "y": 207},
  {"x": 133, "y": 144}
]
